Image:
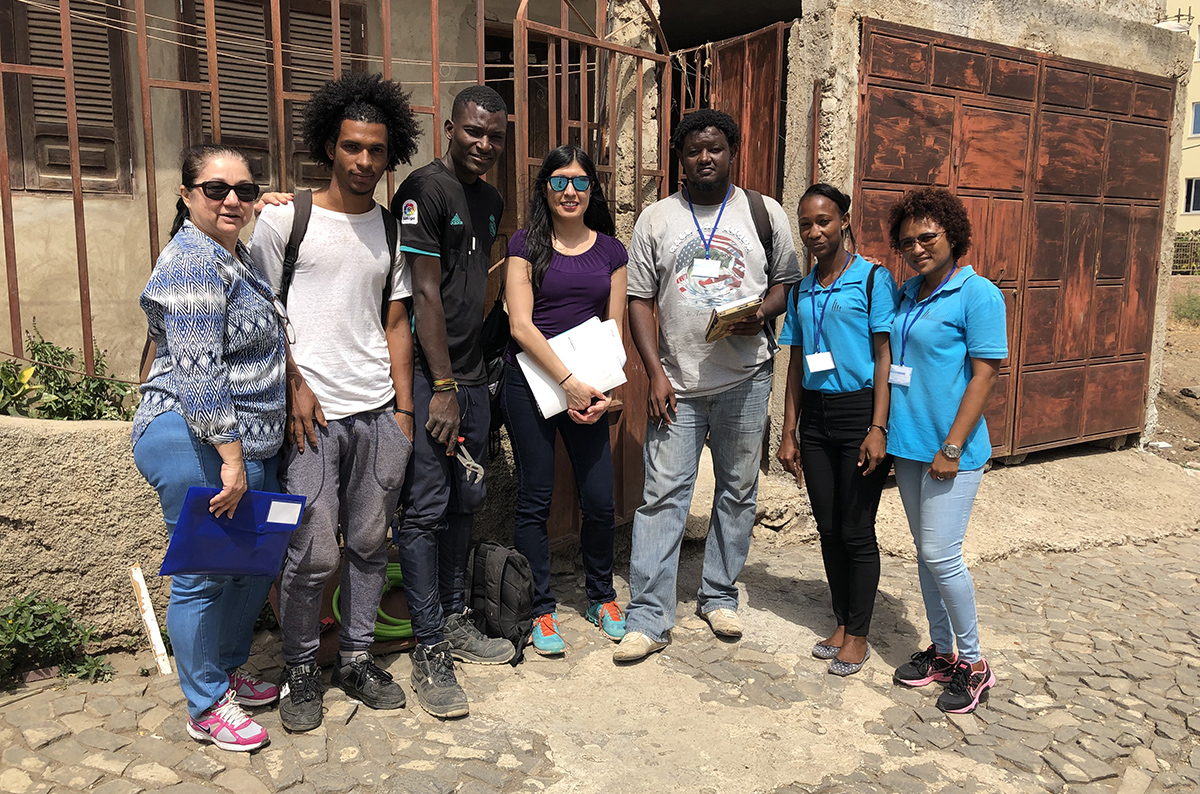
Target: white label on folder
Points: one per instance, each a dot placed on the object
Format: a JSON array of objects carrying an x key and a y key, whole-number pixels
[
  {"x": 900, "y": 375},
  {"x": 819, "y": 362},
  {"x": 703, "y": 267},
  {"x": 284, "y": 513}
]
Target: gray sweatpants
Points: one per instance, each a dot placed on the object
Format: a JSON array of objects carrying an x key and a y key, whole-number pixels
[{"x": 351, "y": 479}]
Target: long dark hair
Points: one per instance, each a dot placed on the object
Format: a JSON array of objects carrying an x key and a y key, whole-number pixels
[
  {"x": 193, "y": 160},
  {"x": 837, "y": 197},
  {"x": 539, "y": 240}
]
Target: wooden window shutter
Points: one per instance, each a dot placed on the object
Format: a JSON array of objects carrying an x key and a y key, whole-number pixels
[{"x": 100, "y": 97}]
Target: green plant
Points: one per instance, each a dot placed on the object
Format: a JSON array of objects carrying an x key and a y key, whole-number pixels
[
  {"x": 36, "y": 632},
  {"x": 66, "y": 394},
  {"x": 1185, "y": 307},
  {"x": 18, "y": 393}
]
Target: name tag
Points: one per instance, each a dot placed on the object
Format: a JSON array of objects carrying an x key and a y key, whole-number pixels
[
  {"x": 819, "y": 362},
  {"x": 900, "y": 375},
  {"x": 703, "y": 267}
]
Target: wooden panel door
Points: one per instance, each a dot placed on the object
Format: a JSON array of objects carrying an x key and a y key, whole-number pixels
[{"x": 1062, "y": 168}]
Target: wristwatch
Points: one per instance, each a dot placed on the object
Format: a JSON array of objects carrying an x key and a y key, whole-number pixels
[{"x": 951, "y": 452}]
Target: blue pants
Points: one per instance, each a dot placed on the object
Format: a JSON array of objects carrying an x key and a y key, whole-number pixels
[
  {"x": 439, "y": 508},
  {"x": 938, "y": 512},
  {"x": 591, "y": 459},
  {"x": 210, "y": 619},
  {"x": 733, "y": 421}
]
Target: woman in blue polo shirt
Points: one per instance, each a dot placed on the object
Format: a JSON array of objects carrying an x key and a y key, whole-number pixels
[
  {"x": 838, "y": 320},
  {"x": 948, "y": 339}
]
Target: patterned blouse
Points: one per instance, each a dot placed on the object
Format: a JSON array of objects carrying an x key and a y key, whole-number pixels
[{"x": 220, "y": 360}]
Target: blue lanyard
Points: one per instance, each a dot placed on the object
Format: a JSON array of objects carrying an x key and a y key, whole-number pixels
[
  {"x": 707, "y": 243},
  {"x": 906, "y": 326},
  {"x": 819, "y": 324}
]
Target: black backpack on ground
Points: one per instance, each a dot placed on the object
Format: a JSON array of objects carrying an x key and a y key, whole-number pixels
[{"x": 500, "y": 594}]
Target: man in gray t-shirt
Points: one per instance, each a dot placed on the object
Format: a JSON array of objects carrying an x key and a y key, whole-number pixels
[{"x": 691, "y": 253}]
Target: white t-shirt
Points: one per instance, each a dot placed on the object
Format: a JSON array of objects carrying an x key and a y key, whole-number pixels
[
  {"x": 662, "y": 258},
  {"x": 335, "y": 302}
]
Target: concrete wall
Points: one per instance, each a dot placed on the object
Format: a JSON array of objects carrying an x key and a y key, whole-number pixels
[
  {"x": 825, "y": 45},
  {"x": 1190, "y": 161}
]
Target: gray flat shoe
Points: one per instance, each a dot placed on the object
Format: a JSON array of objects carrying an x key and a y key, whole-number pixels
[
  {"x": 838, "y": 667},
  {"x": 823, "y": 651}
]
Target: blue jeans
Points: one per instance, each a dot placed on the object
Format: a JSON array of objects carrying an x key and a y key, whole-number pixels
[
  {"x": 938, "y": 512},
  {"x": 733, "y": 421},
  {"x": 590, "y": 452},
  {"x": 210, "y": 619}
]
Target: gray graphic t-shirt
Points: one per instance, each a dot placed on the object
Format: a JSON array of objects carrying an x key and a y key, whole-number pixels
[{"x": 662, "y": 266}]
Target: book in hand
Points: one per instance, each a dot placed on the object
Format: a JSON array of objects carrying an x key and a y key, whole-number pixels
[
  {"x": 594, "y": 353},
  {"x": 725, "y": 316}
]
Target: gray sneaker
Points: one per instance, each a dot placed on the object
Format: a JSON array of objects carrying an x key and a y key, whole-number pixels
[
  {"x": 468, "y": 644},
  {"x": 300, "y": 697},
  {"x": 434, "y": 684}
]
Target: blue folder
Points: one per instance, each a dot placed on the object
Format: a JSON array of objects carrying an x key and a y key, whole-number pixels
[{"x": 252, "y": 543}]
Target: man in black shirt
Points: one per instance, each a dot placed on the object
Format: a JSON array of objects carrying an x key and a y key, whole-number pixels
[{"x": 448, "y": 220}]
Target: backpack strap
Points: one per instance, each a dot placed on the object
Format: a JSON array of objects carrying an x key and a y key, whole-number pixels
[
  {"x": 762, "y": 223},
  {"x": 392, "y": 231},
  {"x": 302, "y": 210}
]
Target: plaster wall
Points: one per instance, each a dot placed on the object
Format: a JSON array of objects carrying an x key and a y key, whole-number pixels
[
  {"x": 824, "y": 45},
  {"x": 1190, "y": 143}
]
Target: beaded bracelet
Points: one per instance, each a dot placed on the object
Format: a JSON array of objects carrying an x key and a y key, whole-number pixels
[{"x": 445, "y": 384}]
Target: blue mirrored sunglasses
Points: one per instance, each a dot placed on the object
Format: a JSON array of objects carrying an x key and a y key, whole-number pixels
[{"x": 559, "y": 183}]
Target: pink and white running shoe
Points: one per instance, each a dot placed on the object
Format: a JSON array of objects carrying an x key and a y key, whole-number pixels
[
  {"x": 250, "y": 691},
  {"x": 228, "y": 727}
]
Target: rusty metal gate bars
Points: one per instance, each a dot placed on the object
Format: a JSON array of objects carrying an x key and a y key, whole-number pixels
[{"x": 597, "y": 120}]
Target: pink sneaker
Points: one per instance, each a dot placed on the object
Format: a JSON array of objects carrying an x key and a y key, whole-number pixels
[
  {"x": 250, "y": 691},
  {"x": 228, "y": 727}
]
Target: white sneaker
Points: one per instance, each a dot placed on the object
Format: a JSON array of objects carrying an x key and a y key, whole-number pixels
[
  {"x": 635, "y": 645},
  {"x": 724, "y": 622}
]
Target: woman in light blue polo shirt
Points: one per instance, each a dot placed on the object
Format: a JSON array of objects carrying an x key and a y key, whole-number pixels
[
  {"x": 838, "y": 320},
  {"x": 948, "y": 339}
]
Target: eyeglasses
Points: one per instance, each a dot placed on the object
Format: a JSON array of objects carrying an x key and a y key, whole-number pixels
[
  {"x": 217, "y": 190},
  {"x": 559, "y": 183},
  {"x": 909, "y": 243},
  {"x": 281, "y": 312}
]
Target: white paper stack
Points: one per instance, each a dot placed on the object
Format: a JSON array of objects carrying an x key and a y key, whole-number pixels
[{"x": 592, "y": 351}]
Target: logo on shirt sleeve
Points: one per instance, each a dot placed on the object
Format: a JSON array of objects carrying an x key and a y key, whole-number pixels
[
  {"x": 456, "y": 221},
  {"x": 408, "y": 211}
]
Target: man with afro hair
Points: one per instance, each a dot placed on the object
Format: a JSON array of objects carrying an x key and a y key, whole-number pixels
[
  {"x": 692, "y": 252},
  {"x": 448, "y": 219},
  {"x": 349, "y": 376}
]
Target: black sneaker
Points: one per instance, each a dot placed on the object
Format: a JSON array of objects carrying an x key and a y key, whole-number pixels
[
  {"x": 967, "y": 689},
  {"x": 468, "y": 644},
  {"x": 300, "y": 697},
  {"x": 434, "y": 683},
  {"x": 362, "y": 680},
  {"x": 924, "y": 668}
]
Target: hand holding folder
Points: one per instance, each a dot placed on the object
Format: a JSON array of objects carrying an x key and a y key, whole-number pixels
[{"x": 252, "y": 543}]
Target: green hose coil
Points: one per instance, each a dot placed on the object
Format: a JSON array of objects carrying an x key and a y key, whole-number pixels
[{"x": 387, "y": 628}]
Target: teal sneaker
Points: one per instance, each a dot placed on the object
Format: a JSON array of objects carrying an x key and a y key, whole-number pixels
[
  {"x": 546, "y": 639},
  {"x": 609, "y": 618}
]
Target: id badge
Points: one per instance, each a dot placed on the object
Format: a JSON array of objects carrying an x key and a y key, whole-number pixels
[
  {"x": 819, "y": 362},
  {"x": 900, "y": 375},
  {"x": 703, "y": 267}
]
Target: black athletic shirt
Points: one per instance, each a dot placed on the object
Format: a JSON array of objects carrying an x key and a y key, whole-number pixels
[{"x": 456, "y": 222}]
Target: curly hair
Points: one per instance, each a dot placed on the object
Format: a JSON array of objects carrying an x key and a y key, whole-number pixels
[
  {"x": 703, "y": 119},
  {"x": 357, "y": 96},
  {"x": 938, "y": 205}
]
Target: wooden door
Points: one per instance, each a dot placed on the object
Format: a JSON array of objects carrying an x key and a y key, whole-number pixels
[{"x": 1062, "y": 168}]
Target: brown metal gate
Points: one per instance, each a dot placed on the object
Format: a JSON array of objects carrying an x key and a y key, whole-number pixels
[
  {"x": 598, "y": 96},
  {"x": 1062, "y": 166}
]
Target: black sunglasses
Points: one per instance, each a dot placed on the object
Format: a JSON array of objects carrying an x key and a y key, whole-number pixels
[
  {"x": 217, "y": 190},
  {"x": 559, "y": 183}
]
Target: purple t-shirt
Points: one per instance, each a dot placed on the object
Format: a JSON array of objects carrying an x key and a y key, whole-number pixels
[{"x": 576, "y": 287}]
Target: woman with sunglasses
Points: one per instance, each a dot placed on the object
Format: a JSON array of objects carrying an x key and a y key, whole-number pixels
[
  {"x": 837, "y": 323},
  {"x": 948, "y": 339},
  {"x": 562, "y": 270},
  {"x": 212, "y": 414}
]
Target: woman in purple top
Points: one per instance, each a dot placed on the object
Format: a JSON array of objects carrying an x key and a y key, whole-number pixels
[{"x": 563, "y": 269}]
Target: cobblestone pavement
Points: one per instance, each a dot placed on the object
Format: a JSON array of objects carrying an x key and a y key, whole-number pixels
[{"x": 1096, "y": 652}]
